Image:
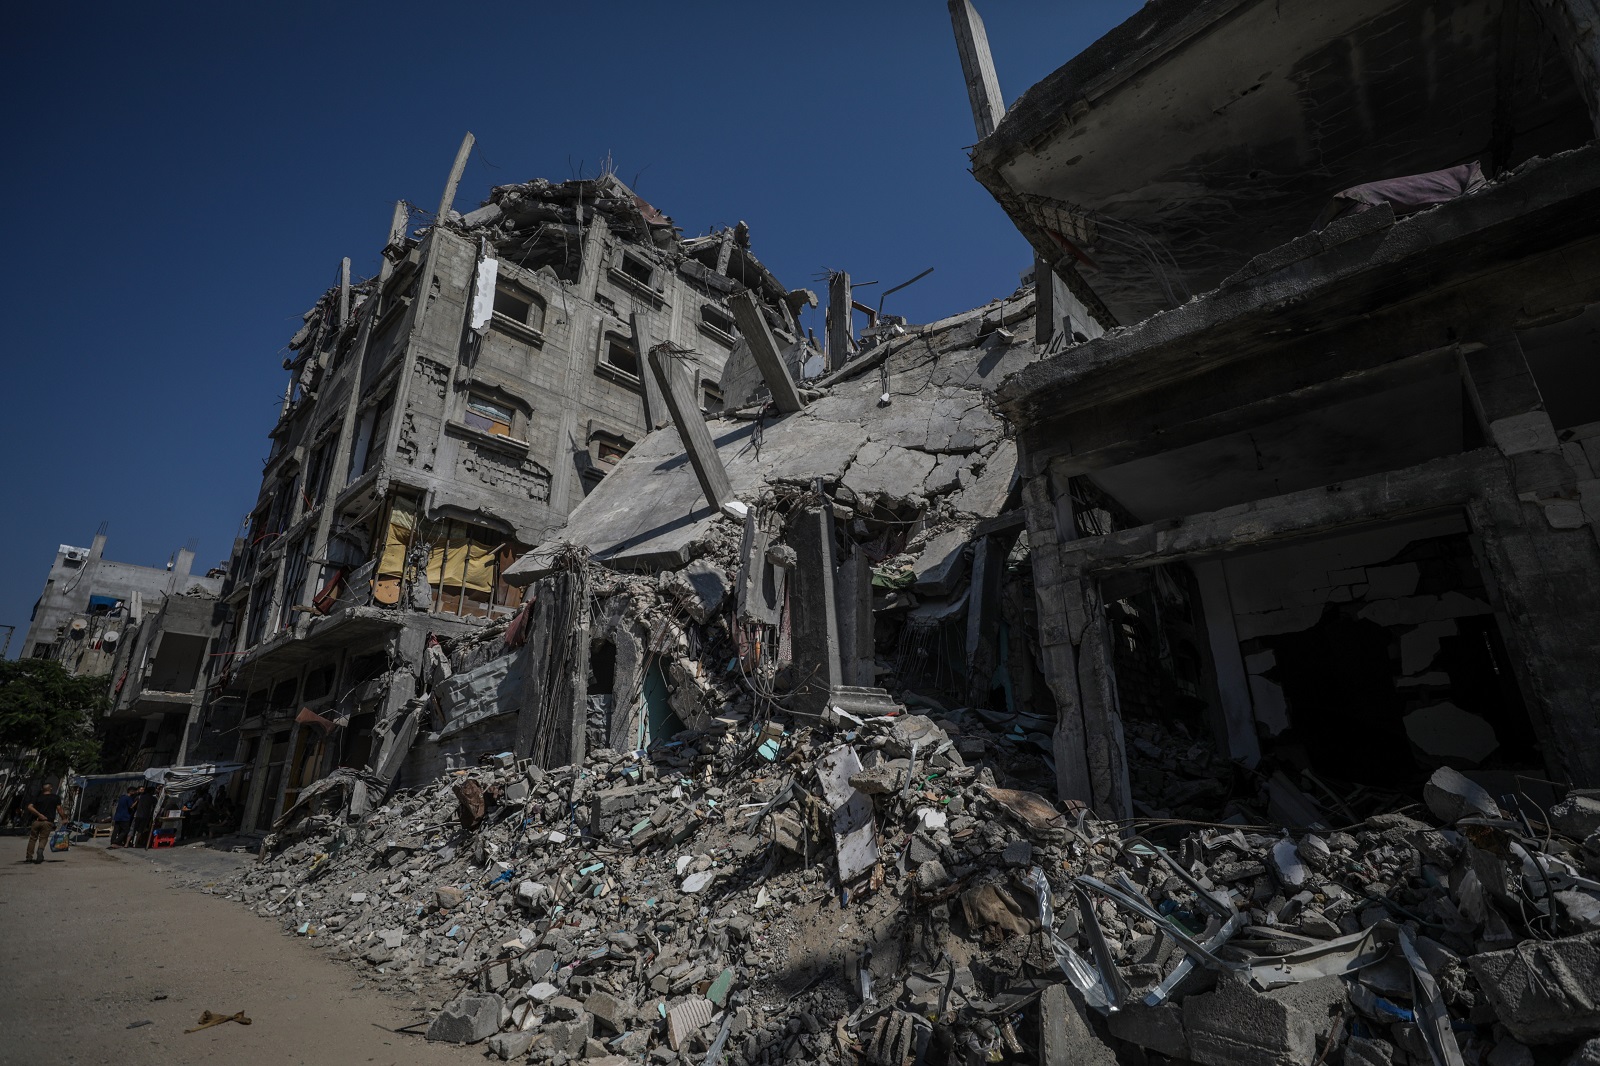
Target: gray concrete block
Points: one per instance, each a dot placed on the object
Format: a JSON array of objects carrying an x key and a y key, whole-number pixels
[
  {"x": 1544, "y": 991},
  {"x": 610, "y": 1013},
  {"x": 1065, "y": 1036},
  {"x": 467, "y": 1019},
  {"x": 1157, "y": 1028},
  {"x": 1238, "y": 1026},
  {"x": 509, "y": 1046}
]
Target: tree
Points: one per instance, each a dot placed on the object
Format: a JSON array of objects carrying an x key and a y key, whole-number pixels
[{"x": 47, "y": 716}]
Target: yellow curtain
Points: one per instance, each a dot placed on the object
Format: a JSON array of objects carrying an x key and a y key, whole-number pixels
[
  {"x": 402, "y": 520},
  {"x": 462, "y": 560},
  {"x": 465, "y": 558}
]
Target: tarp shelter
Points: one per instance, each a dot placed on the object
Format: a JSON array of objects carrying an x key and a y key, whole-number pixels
[
  {"x": 184, "y": 778},
  {"x": 97, "y": 794}
]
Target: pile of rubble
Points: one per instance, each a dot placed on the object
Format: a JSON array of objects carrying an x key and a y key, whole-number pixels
[{"x": 867, "y": 890}]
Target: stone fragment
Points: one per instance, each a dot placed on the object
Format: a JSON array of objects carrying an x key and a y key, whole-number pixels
[
  {"x": 1451, "y": 796},
  {"x": 686, "y": 1019},
  {"x": 467, "y": 1019},
  {"x": 448, "y": 897},
  {"x": 1578, "y": 815},
  {"x": 877, "y": 781},
  {"x": 1544, "y": 991},
  {"x": 1359, "y": 1051},
  {"x": 931, "y": 874},
  {"x": 1158, "y": 1028},
  {"x": 609, "y": 1012},
  {"x": 510, "y": 1045},
  {"x": 567, "y": 1037},
  {"x": 1065, "y": 1036},
  {"x": 1017, "y": 853},
  {"x": 1237, "y": 1026}
]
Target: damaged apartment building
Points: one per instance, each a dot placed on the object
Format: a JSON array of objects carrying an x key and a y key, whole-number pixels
[
  {"x": 1064, "y": 680},
  {"x": 1294, "y": 462},
  {"x": 1325, "y": 490},
  {"x": 148, "y": 628},
  {"x": 439, "y": 420}
]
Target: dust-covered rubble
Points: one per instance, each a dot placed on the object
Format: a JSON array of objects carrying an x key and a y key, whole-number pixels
[{"x": 685, "y": 904}]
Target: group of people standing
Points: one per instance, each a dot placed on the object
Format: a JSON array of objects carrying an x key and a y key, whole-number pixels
[{"x": 133, "y": 818}]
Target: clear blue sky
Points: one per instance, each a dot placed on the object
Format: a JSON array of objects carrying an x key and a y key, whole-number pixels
[{"x": 185, "y": 178}]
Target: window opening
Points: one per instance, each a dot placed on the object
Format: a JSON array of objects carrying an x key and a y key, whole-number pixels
[
  {"x": 622, "y": 357},
  {"x": 716, "y": 318},
  {"x": 486, "y": 416},
  {"x": 637, "y": 269}
]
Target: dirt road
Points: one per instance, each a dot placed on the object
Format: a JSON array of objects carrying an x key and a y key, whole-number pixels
[{"x": 96, "y": 943}]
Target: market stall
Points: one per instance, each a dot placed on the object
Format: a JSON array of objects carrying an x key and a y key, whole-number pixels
[
  {"x": 94, "y": 798},
  {"x": 179, "y": 785}
]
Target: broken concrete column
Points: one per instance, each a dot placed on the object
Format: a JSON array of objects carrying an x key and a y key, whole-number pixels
[
  {"x": 977, "y": 68},
  {"x": 815, "y": 623},
  {"x": 552, "y": 723},
  {"x": 761, "y": 582},
  {"x": 656, "y": 414},
  {"x": 1234, "y": 716},
  {"x": 448, "y": 198},
  {"x": 984, "y": 613},
  {"x": 764, "y": 346},
  {"x": 692, "y": 429},
  {"x": 841, "y": 326},
  {"x": 854, "y": 597},
  {"x": 397, "y": 233}
]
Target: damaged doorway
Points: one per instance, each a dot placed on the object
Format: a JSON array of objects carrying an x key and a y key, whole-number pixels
[{"x": 1374, "y": 656}]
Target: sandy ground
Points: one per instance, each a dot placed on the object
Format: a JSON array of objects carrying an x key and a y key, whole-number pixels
[{"x": 95, "y": 942}]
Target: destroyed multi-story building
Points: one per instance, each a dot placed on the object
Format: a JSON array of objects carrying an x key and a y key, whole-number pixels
[
  {"x": 158, "y": 679},
  {"x": 1326, "y": 488},
  {"x": 1263, "y": 510},
  {"x": 440, "y": 419}
]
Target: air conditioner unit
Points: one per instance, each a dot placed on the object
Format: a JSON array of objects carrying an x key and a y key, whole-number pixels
[{"x": 76, "y": 555}]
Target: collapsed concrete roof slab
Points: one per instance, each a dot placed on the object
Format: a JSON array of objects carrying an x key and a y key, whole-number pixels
[
  {"x": 1199, "y": 133},
  {"x": 938, "y": 437}
]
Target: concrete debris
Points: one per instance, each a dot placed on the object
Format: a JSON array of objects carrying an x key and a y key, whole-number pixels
[{"x": 680, "y": 919}]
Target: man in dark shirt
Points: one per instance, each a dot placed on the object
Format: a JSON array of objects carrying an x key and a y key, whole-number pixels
[
  {"x": 144, "y": 814},
  {"x": 43, "y": 808},
  {"x": 122, "y": 820}
]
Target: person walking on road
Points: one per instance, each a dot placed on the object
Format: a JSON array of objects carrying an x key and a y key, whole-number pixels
[
  {"x": 43, "y": 808},
  {"x": 122, "y": 820}
]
